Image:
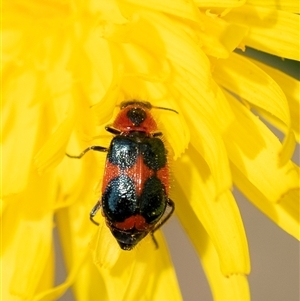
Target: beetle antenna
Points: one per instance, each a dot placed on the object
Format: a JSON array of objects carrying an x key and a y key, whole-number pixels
[
  {"x": 167, "y": 109},
  {"x": 145, "y": 104}
]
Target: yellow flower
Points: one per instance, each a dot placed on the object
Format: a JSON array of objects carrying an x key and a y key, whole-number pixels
[{"x": 66, "y": 66}]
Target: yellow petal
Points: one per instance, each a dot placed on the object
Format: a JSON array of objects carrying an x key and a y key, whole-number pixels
[
  {"x": 47, "y": 278},
  {"x": 26, "y": 256},
  {"x": 109, "y": 10},
  {"x": 249, "y": 82},
  {"x": 287, "y": 5},
  {"x": 28, "y": 220},
  {"x": 189, "y": 64},
  {"x": 272, "y": 31},
  {"x": 223, "y": 3},
  {"x": 56, "y": 292},
  {"x": 73, "y": 204},
  {"x": 211, "y": 147},
  {"x": 218, "y": 213},
  {"x": 144, "y": 271},
  {"x": 179, "y": 8},
  {"x": 253, "y": 149},
  {"x": 211, "y": 105},
  {"x": 285, "y": 213},
  {"x": 220, "y": 38},
  {"x": 75, "y": 232},
  {"x": 103, "y": 87},
  {"x": 20, "y": 130},
  {"x": 53, "y": 151},
  {"x": 224, "y": 287},
  {"x": 61, "y": 108},
  {"x": 258, "y": 88},
  {"x": 176, "y": 41},
  {"x": 141, "y": 63},
  {"x": 89, "y": 283},
  {"x": 177, "y": 141},
  {"x": 291, "y": 88},
  {"x": 233, "y": 287},
  {"x": 154, "y": 273}
]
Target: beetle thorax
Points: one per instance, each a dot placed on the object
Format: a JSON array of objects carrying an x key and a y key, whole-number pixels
[{"x": 135, "y": 119}]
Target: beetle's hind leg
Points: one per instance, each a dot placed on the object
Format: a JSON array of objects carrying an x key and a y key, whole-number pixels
[
  {"x": 171, "y": 205},
  {"x": 94, "y": 212}
]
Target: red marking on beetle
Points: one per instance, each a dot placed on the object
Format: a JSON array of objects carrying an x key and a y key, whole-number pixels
[
  {"x": 136, "y": 221},
  {"x": 139, "y": 173}
]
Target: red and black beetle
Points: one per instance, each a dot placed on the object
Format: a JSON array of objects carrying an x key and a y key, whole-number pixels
[{"x": 135, "y": 185}]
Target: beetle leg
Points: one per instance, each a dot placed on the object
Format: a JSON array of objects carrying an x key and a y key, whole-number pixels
[
  {"x": 94, "y": 212},
  {"x": 154, "y": 240},
  {"x": 93, "y": 148},
  {"x": 170, "y": 204},
  {"x": 112, "y": 130},
  {"x": 157, "y": 134}
]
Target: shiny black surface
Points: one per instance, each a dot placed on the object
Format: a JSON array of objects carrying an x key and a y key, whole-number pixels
[
  {"x": 124, "y": 151},
  {"x": 136, "y": 116},
  {"x": 128, "y": 239}
]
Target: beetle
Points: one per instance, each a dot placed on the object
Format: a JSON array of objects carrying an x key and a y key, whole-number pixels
[{"x": 135, "y": 185}]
